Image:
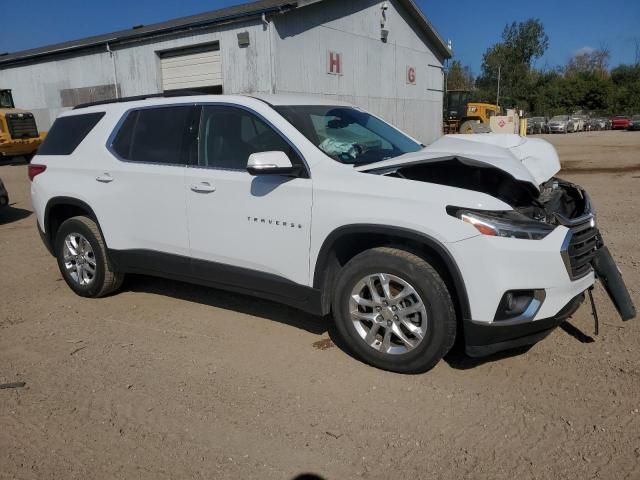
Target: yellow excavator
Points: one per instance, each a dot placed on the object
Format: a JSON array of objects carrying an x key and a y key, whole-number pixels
[
  {"x": 19, "y": 134},
  {"x": 461, "y": 115}
]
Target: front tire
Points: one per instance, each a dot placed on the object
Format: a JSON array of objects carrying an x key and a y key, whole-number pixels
[
  {"x": 82, "y": 258},
  {"x": 394, "y": 311},
  {"x": 467, "y": 127}
]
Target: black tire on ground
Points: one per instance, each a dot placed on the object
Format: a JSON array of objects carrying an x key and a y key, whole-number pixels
[
  {"x": 441, "y": 318},
  {"x": 106, "y": 280}
]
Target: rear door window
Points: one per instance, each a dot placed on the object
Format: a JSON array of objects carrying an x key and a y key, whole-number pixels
[
  {"x": 160, "y": 135},
  {"x": 67, "y": 132}
]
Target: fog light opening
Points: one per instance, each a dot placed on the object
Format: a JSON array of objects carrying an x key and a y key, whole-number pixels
[{"x": 519, "y": 305}]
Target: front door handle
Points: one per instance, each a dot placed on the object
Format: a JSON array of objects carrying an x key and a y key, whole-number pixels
[
  {"x": 104, "y": 178},
  {"x": 203, "y": 187}
]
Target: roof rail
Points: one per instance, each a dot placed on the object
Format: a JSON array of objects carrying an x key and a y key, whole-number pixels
[{"x": 176, "y": 93}]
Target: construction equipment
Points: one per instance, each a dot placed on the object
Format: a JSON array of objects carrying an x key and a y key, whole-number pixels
[
  {"x": 461, "y": 115},
  {"x": 18, "y": 131}
]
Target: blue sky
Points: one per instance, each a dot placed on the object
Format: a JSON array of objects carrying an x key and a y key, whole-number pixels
[{"x": 471, "y": 25}]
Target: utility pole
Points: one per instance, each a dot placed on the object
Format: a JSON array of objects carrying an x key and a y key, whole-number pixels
[{"x": 498, "y": 95}]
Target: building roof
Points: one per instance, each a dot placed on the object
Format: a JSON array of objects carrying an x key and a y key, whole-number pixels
[{"x": 224, "y": 15}]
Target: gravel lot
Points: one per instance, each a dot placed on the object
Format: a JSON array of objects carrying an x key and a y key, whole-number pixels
[{"x": 168, "y": 380}]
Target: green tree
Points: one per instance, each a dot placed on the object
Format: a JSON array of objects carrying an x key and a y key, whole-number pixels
[
  {"x": 594, "y": 62},
  {"x": 459, "y": 77},
  {"x": 522, "y": 43},
  {"x": 625, "y": 96}
]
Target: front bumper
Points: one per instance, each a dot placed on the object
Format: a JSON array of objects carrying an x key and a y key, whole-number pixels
[
  {"x": 492, "y": 266},
  {"x": 486, "y": 339},
  {"x": 557, "y": 128},
  {"x": 558, "y": 268}
]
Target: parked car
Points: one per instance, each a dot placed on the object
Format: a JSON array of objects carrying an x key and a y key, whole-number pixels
[
  {"x": 580, "y": 122},
  {"x": 323, "y": 206},
  {"x": 537, "y": 125},
  {"x": 4, "y": 195},
  {"x": 561, "y": 124},
  {"x": 634, "y": 123},
  {"x": 620, "y": 122},
  {"x": 598, "y": 123}
]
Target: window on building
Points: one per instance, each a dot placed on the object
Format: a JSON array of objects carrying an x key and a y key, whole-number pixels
[{"x": 163, "y": 135}]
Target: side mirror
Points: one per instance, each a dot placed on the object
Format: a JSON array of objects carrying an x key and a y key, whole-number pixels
[{"x": 272, "y": 163}]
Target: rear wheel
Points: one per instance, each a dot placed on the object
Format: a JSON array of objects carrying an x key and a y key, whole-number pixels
[
  {"x": 82, "y": 258},
  {"x": 393, "y": 310}
]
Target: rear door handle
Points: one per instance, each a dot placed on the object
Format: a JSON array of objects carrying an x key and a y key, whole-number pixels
[
  {"x": 104, "y": 178},
  {"x": 203, "y": 187}
]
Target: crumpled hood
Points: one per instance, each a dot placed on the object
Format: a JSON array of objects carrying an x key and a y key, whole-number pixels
[{"x": 531, "y": 160}]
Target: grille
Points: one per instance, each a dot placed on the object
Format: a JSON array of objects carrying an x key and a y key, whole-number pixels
[
  {"x": 580, "y": 250},
  {"x": 22, "y": 125}
]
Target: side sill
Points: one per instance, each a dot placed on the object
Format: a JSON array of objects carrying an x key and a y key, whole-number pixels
[{"x": 218, "y": 275}]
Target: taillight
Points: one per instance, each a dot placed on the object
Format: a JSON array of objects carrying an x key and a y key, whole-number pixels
[{"x": 35, "y": 170}]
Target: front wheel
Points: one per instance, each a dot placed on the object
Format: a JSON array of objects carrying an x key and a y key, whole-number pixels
[
  {"x": 394, "y": 311},
  {"x": 82, "y": 258},
  {"x": 467, "y": 127}
]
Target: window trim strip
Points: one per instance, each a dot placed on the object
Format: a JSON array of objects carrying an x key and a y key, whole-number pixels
[{"x": 123, "y": 117}]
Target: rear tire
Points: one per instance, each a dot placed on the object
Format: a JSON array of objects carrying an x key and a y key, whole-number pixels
[
  {"x": 82, "y": 259},
  {"x": 417, "y": 339}
]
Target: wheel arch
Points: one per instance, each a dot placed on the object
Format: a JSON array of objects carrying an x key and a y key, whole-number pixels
[
  {"x": 345, "y": 242},
  {"x": 59, "y": 209}
]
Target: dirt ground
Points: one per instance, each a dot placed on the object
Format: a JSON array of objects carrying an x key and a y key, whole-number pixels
[{"x": 168, "y": 380}]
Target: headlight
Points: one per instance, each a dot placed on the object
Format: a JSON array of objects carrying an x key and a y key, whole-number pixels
[{"x": 508, "y": 224}]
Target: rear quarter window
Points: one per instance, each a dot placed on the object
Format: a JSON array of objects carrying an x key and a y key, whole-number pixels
[{"x": 68, "y": 132}]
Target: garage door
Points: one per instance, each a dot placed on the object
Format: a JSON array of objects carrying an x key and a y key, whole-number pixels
[{"x": 191, "y": 69}]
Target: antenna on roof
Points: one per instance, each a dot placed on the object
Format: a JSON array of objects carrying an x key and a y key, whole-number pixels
[{"x": 136, "y": 27}]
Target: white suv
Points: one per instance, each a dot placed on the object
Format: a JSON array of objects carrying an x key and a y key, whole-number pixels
[{"x": 323, "y": 206}]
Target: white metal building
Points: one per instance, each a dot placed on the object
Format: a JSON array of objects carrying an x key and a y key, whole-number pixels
[{"x": 384, "y": 56}]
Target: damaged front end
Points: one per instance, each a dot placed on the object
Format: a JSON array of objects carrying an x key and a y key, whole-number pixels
[
  {"x": 536, "y": 211},
  {"x": 567, "y": 204}
]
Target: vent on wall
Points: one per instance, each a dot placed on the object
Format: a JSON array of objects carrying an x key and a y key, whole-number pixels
[
  {"x": 243, "y": 39},
  {"x": 70, "y": 97}
]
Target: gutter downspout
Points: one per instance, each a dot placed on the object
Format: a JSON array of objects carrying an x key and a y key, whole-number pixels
[
  {"x": 113, "y": 65},
  {"x": 272, "y": 74}
]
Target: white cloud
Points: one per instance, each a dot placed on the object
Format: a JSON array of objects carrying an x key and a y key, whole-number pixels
[{"x": 584, "y": 51}]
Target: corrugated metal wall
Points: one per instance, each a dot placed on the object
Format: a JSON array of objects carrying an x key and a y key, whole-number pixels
[
  {"x": 374, "y": 73},
  {"x": 290, "y": 56},
  {"x": 37, "y": 86}
]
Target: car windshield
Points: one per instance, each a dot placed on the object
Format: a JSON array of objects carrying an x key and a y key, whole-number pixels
[
  {"x": 560, "y": 118},
  {"x": 537, "y": 119},
  {"x": 636, "y": 118},
  {"x": 348, "y": 135}
]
